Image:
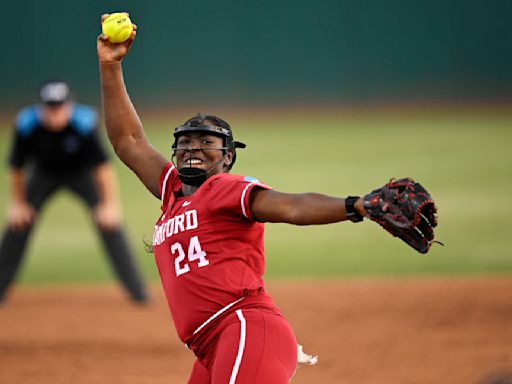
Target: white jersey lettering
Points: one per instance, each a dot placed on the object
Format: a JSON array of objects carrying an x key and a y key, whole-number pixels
[
  {"x": 191, "y": 219},
  {"x": 177, "y": 224},
  {"x": 170, "y": 227}
]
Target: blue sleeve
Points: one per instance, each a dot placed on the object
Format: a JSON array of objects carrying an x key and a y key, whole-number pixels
[
  {"x": 84, "y": 119},
  {"x": 25, "y": 124},
  {"x": 27, "y": 120}
]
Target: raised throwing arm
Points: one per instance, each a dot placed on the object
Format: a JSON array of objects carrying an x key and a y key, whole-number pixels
[{"x": 124, "y": 127}]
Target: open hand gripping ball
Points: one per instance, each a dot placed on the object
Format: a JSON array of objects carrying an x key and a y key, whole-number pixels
[{"x": 118, "y": 27}]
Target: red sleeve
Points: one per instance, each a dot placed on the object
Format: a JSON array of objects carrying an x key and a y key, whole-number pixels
[
  {"x": 231, "y": 195},
  {"x": 168, "y": 182}
]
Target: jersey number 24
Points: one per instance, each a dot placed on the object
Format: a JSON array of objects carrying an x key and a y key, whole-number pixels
[{"x": 195, "y": 252}]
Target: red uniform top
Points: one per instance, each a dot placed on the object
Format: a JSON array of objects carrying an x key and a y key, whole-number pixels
[{"x": 208, "y": 249}]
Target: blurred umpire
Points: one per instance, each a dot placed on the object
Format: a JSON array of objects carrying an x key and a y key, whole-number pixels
[{"x": 56, "y": 142}]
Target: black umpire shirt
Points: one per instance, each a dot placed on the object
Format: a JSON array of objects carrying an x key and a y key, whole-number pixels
[{"x": 73, "y": 149}]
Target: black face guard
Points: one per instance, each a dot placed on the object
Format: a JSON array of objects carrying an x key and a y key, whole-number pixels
[
  {"x": 215, "y": 130},
  {"x": 195, "y": 176}
]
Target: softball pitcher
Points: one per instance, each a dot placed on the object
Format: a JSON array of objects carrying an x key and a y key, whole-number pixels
[{"x": 208, "y": 237}]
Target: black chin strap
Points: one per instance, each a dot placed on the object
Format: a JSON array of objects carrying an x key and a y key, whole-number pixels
[{"x": 196, "y": 176}]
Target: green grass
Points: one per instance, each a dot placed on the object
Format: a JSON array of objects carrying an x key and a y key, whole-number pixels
[{"x": 463, "y": 159}]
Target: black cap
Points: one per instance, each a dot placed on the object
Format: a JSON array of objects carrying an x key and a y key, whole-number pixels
[{"x": 54, "y": 93}]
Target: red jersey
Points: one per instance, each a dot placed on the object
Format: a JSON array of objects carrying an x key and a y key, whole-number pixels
[{"x": 208, "y": 248}]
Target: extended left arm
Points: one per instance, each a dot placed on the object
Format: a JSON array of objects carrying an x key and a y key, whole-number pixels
[
  {"x": 402, "y": 207},
  {"x": 300, "y": 209}
]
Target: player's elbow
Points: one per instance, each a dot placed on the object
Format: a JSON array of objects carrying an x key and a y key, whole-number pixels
[
  {"x": 277, "y": 207},
  {"x": 125, "y": 148},
  {"x": 302, "y": 210},
  {"x": 292, "y": 212},
  {"x": 120, "y": 149}
]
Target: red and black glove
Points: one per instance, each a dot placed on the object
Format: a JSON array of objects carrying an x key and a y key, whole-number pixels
[{"x": 406, "y": 210}]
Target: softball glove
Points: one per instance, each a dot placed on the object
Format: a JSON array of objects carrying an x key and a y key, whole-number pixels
[{"x": 406, "y": 210}]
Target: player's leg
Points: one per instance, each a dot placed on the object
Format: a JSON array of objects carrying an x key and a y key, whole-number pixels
[
  {"x": 13, "y": 243},
  {"x": 200, "y": 374},
  {"x": 258, "y": 348},
  {"x": 114, "y": 241}
]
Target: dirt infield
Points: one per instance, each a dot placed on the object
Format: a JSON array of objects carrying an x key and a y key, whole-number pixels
[{"x": 429, "y": 331}]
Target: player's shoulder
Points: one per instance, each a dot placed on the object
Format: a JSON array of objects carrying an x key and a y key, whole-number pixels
[
  {"x": 228, "y": 193},
  {"x": 229, "y": 179},
  {"x": 27, "y": 120},
  {"x": 84, "y": 118}
]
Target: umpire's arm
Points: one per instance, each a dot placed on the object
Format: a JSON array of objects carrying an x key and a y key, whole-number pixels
[{"x": 20, "y": 214}]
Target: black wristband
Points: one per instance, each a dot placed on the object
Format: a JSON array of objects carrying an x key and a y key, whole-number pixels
[{"x": 352, "y": 214}]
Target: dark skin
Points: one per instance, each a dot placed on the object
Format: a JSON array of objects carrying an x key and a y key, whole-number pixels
[
  {"x": 129, "y": 141},
  {"x": 201, "y": 151}
]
